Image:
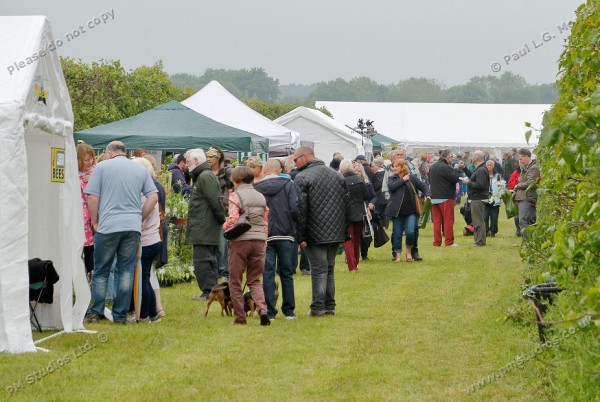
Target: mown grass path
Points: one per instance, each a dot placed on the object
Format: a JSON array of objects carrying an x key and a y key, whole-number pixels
[{"x": 403, "y": 331}]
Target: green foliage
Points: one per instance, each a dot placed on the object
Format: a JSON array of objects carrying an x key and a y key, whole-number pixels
[
  {"x": 244, "y": 84},
  {"x": 275, "y": 110},
  {"x": 290, "y": 93},
  {"x": 565, "y": 242},
  {"x": 179, "y": 268},
  {"x": 103, "y": 91},
  {"x": 508, "y": 88},
  {"x": 361, "y": 89}
]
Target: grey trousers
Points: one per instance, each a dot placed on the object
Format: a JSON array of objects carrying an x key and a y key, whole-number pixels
[
  {"x": 527, "y": 215},
  {"x": 477, "y": 214},
  {"x": 322, "y": 264}
]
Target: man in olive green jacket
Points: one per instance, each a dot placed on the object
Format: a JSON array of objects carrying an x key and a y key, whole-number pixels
[{"x": 205, "y": 217}]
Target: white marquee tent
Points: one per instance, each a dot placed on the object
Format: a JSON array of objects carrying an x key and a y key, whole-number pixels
[
  {"x": 445, "y": 124},
  {"x": 40, "y": 201},
  {"x": 327, "y": 134},
  {"x": 219, "y": 104}
]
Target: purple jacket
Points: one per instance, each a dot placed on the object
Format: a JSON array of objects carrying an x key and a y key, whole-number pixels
[{"x": 178, "y": 179}]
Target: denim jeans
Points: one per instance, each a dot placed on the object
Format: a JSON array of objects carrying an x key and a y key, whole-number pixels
[
  {"x": 222, "y": 258},
  {"x": 322, "y": 264},
  {"x": 406, "y": 225},
  {"x": 279, "y": 258},
  {"x": 125, "y": 246},
  {"x": 490, "y": 217},
  {"x": 149, "y": 253}
]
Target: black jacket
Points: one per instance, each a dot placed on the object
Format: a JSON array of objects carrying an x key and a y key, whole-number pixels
[
  {"x": 377, "y": 183},
  {"x": 442, "y": 180},
  {"x": 479, "y": 184},
  {"x": 323, "y": 204},
  {"x": 402, "y": 192},
  {"x": 357, "y": 190},
  {"x": 282, "y": 201},
  {"x": 41, "y": 271}
]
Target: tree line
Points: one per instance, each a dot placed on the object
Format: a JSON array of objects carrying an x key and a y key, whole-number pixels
[
  {"x": 103, "y": 91},
  {"x": 256, "y": 83}
]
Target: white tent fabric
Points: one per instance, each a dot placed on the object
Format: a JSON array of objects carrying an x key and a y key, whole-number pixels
[
  {"x": 219, "y": 104},
  {"x": 38, "y": 218},
  {"x": 327, "y": 134},
  {"x": 444, "y": 123}
]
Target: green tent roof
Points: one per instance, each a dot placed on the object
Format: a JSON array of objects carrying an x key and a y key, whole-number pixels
[
  {"x": 173, "y": 127},
  {"x": 379, "y": 139}
]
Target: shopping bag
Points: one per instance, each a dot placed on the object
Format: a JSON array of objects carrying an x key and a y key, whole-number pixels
[
  {"x": 512, "y": 207},
  {"x": 426, "y": 214}
]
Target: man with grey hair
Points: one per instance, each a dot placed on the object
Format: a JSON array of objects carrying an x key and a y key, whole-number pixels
[
  {"x": 205, "y": 217},
  {"x": 443, "y": 179},
  {"x": 116, "y": 216},
  {"x": 478, "y": 192}
]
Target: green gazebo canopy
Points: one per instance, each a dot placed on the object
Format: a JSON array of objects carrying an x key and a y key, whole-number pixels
[{"x": 173, "y": 127}]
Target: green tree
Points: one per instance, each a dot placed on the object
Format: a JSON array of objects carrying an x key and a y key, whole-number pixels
[
  {"x": 565, "y": 242},
  {"x": 416, "y": 90},
  {"x": 361, "y": 89},
  {"x": 275, "y": 110},
  {"x": 244, "y": 83},
  {"x": 103, "y": 91}
]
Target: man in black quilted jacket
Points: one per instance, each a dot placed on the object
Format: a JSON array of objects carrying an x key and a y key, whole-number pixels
[{"x": 323, "y": 217}]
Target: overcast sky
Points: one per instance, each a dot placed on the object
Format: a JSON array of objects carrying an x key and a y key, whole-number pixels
[{"x": 317, "y": 40}]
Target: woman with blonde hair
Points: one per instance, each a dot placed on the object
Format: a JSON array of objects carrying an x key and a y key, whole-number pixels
[
  {"x": 86, "y": 162},
  {"x": 255, "y": 163},
  {"x": 402, "y": 207},
  {"x": 358, "y": 196}
]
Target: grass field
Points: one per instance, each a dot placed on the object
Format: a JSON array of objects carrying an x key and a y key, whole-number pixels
[{"x": 403, "y": 331}]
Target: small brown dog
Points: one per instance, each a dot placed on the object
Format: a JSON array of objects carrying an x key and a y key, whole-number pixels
[
  {"x": 221, "y": 294},
  {"x": 250, "y": 307}
]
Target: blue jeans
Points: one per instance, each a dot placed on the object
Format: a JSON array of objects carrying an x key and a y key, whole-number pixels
[
  {"x": 149, "y": 253},
  {"x": 279, "y": 258},
  {"x": 406, "y": 225},
  {"x": 222, "y": 258},
  {"x": 322, "y": 264},
  {"x": 125, "y": 246},
  {"x": 490, "y": 217}
]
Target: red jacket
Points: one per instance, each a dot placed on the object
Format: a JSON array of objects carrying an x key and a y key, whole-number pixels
[{"x": 514, "y": 179}]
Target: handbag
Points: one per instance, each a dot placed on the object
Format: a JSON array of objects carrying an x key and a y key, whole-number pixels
[
  {"x": 418, "y": 200},
  {"x": 380, "y": 237},
  {"x": 241, "y": 226},
  {"x": 367, "y": 228}
]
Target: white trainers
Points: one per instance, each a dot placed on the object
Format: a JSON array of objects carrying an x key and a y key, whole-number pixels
[{"x": 291, "y": 317}]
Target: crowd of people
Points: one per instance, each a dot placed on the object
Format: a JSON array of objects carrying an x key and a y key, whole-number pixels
[{"x": 299, "y": 210}]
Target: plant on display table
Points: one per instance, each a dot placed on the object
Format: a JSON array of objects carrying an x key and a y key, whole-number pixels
[{"x": 179, "y": 268}]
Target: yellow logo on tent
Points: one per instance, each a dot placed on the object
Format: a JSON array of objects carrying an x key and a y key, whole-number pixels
[{"x": 58, "y": 165}]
